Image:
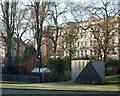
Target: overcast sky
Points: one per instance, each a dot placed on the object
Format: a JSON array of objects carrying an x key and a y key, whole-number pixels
[
  {"x": 60, "y": 20},
  {"x": 63, "y": 0}
]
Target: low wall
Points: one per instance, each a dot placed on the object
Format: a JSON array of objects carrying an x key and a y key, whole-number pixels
[{"x": 77, "y": 66}]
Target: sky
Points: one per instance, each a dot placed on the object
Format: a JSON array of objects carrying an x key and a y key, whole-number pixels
[
  {"x": 62, "y": 0},
  {"x": 60, "y": 20}
]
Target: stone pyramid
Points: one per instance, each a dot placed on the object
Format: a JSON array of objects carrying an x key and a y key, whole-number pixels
[{"x": 92, "y": 72}]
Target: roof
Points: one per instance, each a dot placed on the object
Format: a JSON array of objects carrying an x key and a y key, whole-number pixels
[{"x": 42, "y": 70}]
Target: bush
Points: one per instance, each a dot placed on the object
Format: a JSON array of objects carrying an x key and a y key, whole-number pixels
[
  {"x": 67, "y": 63},
  {"x": 28, "y": 60},
  {"x": 10, "y": 69},
  {"x": 58, "y": 67},
  {"x": 112, "y": 67},
  {"x": 83, "y": 58}
]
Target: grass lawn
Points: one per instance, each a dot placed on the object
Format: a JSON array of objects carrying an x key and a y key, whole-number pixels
[
  {"x": 111, "y": 85},
  {"x": 10, "y": 82},
  {"x": 113, "y": 80},
  {"x": 108, "y": 81}
]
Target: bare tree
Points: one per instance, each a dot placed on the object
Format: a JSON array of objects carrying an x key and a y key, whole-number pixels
[
  {"x": 70, "y": 37},
  {"x": 79, "y": 12},
  {"x": 39, "y": 12},
  {"x": 8, "y": 19},
  {"x": 104, "y": 26},
  {"x": 102, "y": 23},
  {"x": 55, "y": 12},
  {"x": 21, "y": 27},
  {"x": 119, "y": 34}
]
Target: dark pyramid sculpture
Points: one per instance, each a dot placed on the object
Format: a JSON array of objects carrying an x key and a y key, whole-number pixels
[{"x": 92, "y": 72}]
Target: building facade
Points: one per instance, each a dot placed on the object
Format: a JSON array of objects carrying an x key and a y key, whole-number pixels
[
  {"x": 87, "y": 45},
  {"x": 48, "y": 35},
  {"x": 2, "y": 51}
]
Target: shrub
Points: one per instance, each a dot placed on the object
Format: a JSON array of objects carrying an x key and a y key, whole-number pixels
[
  {"x": 56, "y": 65},
  {"x": 28, "y": 60},
  {"x": 10, "y": 69},
  {"x": 67, "y": 63},
  {"x": 112, "y": 67},
  {"x": 83, "y": 58},
  {"x": 58, "y": 68}
]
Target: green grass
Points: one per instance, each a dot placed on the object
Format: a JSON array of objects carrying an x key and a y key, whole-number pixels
[
  {"x": 10, "y": 82},
  {"x": 109, "y": 81},
  {"x": 113, "y": 80}
]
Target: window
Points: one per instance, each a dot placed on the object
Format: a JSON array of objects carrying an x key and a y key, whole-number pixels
[
  {"x": 113, "y": 42},
  {"x": 81, "y": 43},
  {"x": 81, "y": 52},
  {"x": 90, "y": 52},
  {"x": 90, "y": 42},
  {"x": 85, "y": 35},
  {"x": 112, "y": 50},
  {"x": 78, "y": 43},
  {"x": 85, "y": 43},
  {"x": 78, "y": 53},
  {"x": 85, "y": 52},
  {"x": 95, "y": 52}
]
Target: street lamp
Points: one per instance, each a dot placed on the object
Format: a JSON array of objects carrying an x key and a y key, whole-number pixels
[
  {"x": 39, "y": 66},
  {"x": 38, "y": 62},
  {"x": 119, "y": 35}
]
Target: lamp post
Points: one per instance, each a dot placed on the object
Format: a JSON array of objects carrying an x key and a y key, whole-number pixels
[
  {"x": 119, "y": 32},
  {"x": 119, "y": 35},
  {"x": 38, "y": 62},
  {"x": 38, "y": 37},
  {"x": 38, "y": 54}
]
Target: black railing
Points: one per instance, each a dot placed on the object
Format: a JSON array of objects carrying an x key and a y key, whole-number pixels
[{"x": 18, "y": 78}]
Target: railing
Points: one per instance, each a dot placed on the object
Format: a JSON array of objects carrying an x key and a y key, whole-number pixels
[{"x": 18, "y": 78}]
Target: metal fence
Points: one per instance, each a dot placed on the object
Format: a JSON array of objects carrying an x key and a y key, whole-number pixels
[{"x": 18, "y": 78}]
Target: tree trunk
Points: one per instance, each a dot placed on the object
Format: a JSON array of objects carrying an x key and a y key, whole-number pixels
[
  {"x": 105, "y": 55},
  {"x": 70, "y": 56},
  {"x": 56, "y": 39},
  {"x": 16, "y": 60},
  {"x": 8, "y": 54},
  {"x": 41, "y": 31},
  {"x": 54, "y": 50},
  {"x": 18, "y": 49},
  {"x": 119, "y": 34},
  {"x": 9, "y": 36},
  {"x": 99, "y": 54}
]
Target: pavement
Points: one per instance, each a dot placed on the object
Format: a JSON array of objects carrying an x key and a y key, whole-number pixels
[
  {"x": 14, "y": 91},
  {"x": 112, "y": 76}
]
